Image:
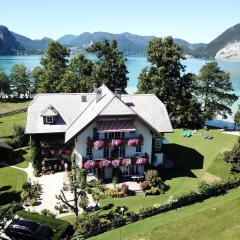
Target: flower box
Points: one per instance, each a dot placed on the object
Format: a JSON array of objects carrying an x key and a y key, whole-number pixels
[
  {"x": 115, "y": 163},
  {"x": 141, "y": 161},
  {"x": 90, "y": 164},
  {"x": 133, "y": 142},
  {"x": 104, "y": 163},
  {"x": 98, "y": 145},
  {"x": 116, "y": 142},
  {"x": 126, "y": 162}
]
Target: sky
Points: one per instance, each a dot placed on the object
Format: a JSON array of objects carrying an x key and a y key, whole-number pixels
[{"x": 191, "y": 20}]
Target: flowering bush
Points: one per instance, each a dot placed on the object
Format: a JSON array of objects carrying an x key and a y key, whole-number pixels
[
  {"x": 133, "y": 142},
  {"x": 104, "y": 163},
  {"x": 90, "y": 164},
  {"x": 116, "y": 142},
  {"x": 145, "y": 185},
  {"x": 126, "y": 162},
  {"x": 114, "y": 192},
  {"x": 125, "y": 188},
  {"x": 115, "y": 163},
  {"x": 153, "y": 177},
  {"x": 152, "y": 191},
  {"x": 141, "y": 161},
  {"x": 98, "y": 145}
]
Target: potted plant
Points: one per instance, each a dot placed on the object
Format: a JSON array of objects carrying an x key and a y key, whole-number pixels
[
  {"x": 133, "y": 142},
  {"x": 98, "y": 145},
  {"x": 104, "y": 163},
  {"x": 115, "y": 163},
  {"x": 90, "y": 164},
  {"x": 116, "y": 143}
]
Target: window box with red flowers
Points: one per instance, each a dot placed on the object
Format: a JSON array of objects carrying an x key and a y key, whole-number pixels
[
  {"x": 126, "y": 162},
  {"x": 104, "y": 163},
  {"x": 116, "y": 163},
  {"x": 116, "y": 142},
  {"x": 98, "y": 145},
  {"x": 90, "y": 164},
  {"x": 141, "y": 161}
]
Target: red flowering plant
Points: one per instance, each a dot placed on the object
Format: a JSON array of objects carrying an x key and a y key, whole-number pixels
[
  {"x": 126, "y": 162},
  {"x": 141, "y": 161},
  {"x": 98, "y": 145},
  {"x": 115, "y": 163},
  {"x": 90, "y": 164},
  {"x": 116, "y": 142},
  {"x": 104, "y": 163},
  {"x": 133, "y": 142}
]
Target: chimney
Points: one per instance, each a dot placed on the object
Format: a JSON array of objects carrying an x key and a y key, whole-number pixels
[
  {"x": 118, "y": 92},
  {"x": 98, "y": 94},
  {"x": 94, "y": 87}
]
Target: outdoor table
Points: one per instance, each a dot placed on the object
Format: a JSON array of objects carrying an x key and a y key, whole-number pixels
[{"x": 137, "y": 178}]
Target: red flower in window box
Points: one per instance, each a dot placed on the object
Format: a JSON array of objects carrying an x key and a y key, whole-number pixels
[
  {"x": 104, "y": 163},
  {"x": 98, "y": 145},
  {"x": 116, "y": 142},
  {"x": 90, "y": 164},
  {"x": 115, "y": 163},
  {"x": 126, "y": 162},
  {"x": 133, "y": 142},
  {"x": 141, "y": 161}
]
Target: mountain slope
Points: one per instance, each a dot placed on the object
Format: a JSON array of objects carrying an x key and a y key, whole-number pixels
[{"x": 231, "y": 35}]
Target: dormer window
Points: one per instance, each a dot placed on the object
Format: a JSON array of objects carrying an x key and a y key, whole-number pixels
[
  {"x": 49, "y": 120},
  {"x": 49, "y": 115}
]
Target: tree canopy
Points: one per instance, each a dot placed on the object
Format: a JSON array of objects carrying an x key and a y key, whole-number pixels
[
  {"x": 4, "y": 84},
  {"x": 110, "y": 68},
  {"x": 166, "y": 79},
  {"x": 237, "y": 116},
  {"x": 213, "y": 87}
]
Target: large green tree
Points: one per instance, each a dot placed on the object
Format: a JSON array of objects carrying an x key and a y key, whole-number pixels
[
  {"x": 20, "y": 80},
  {"x": 110, "y": 68},
  {"x": 166, "y": 79},
  {"x": 237, "y": 116},
  {"x": 54, "y": 64},
  {"x": 213, "y": 86},
  {"x": 4, "y": 84},
  {"x": 78, "y": 76}
]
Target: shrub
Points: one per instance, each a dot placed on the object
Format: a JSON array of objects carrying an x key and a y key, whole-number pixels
[
  {"x": 124, "y": 188},
  {"x": 47, "y": 212},
  {"x": 114, "y": 192},
  {"x": 152, "y": 191},
  {"x": 153, "y": 177},
  {"x": 60, "y": 227},
  {"x": 145, "y": 185}
]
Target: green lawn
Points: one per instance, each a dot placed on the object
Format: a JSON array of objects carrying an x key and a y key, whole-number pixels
[
  {"x": 12, "y": 106},
  {"x": 215, "y": 218},
  {"x": 6, "y": 123},
  {"x": 11, "y": 181},
  {"x": 200, "y": 154}
]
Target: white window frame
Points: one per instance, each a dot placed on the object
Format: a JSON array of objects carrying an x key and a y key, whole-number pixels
[
  {"x": 158, "y": 143},
  {"x": 48, "y": 119}
]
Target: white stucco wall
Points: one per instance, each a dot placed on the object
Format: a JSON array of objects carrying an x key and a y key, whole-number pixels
[{"x": 81, "y": 141}]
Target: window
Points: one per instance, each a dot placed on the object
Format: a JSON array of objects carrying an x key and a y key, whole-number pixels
[
  {"x": 117, "y": 135},
  {"x": 158, "y": 143},
  {"x": 139, "y": 148},
  {"x": 49, "y": 119},
  {"x": 89, "y": 151},
  {"x": 106, "y": 152},
  {"x": 122, "y": 151},
  {"x": 111, "y": 135},
  {"x": 105, "y": 135},
  {"x": 84, "y": 98},
  {"x": 95, "y": 133}
]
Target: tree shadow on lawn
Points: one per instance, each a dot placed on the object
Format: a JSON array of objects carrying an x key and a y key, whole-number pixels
[
  {"x": 5, "y": 188},
  {"x": 184, "y": 158},
  {"x": 9, "y": 197}
]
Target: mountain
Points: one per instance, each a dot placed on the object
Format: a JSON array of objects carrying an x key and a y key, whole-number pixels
[
  {"x": 130, "y": 44},
  {"x": 8, "y": 43},
  {"x": 231, "y": 35},
  {"x": 15, "y": 44}
]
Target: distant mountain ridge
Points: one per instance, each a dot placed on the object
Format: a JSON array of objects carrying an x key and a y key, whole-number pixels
[{"x": 130, "y": 44}]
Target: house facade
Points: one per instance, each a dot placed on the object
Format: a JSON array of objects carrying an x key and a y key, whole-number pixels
[{"x": 110, "y": 133}]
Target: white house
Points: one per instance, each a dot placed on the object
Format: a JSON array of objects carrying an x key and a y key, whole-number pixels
[{"x": 111, "y": 133}]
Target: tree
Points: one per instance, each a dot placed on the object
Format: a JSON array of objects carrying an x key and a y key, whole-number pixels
[
  {"x": 36, "y": 78},
  {"x": 110, "y": 68},
  {"x": 4, "y": 84},
  {"x": 54, "y": 65},
  {"x": 237, "y": 116},
  {"x": 213, "y": 86},
  {"x": 20, "y": 80},
  {"x": 78, "y": 76},
  {"x": 166, "y": 79}
]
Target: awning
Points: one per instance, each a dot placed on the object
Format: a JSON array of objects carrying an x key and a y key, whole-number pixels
[{"x": 115, "y": 126}]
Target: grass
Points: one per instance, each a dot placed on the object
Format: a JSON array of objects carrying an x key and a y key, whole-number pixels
[
  {"x": 7, "y": 123},
  {"x": 215, "y": 218},
  {"x": 195, "y": 157},
  {"x": 12, "y": 106},
  {"x": 11, "y": 184}
]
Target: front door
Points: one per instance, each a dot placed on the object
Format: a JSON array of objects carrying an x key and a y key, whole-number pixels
[{"x": 130, "y": 170}]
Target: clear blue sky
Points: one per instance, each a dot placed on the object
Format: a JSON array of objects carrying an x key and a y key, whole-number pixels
[{"x": 192, "y": 20}]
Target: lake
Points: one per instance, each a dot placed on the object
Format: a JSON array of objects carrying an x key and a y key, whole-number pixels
[{"x": 134, "y": 65}]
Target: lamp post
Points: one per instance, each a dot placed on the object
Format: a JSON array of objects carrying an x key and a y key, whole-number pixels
[{"x": 122, "y": 211}]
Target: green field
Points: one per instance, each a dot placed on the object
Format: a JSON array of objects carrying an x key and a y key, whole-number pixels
[
  {"x": 215, "y": 218},
  {"x": 12, "y": 106},
  {"x": 7, "y": 123},
  {"x": 11, "y": 181},
  {"x": 193, "y": 165}
]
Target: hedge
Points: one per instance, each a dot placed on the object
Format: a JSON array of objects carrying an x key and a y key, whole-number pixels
[
  {"x": 60, "y": 228},
  {"x": 205, "y": 191}
]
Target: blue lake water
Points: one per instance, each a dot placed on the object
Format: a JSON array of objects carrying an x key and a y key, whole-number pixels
[{"x": 134, "y": 65}]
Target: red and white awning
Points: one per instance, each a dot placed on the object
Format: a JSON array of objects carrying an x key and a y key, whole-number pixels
[{"x": 115, "y": 126}]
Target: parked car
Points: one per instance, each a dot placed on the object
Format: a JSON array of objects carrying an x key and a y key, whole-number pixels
[{"x": 22, "y": 229}]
